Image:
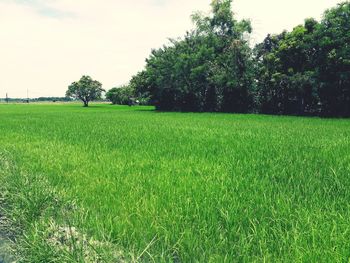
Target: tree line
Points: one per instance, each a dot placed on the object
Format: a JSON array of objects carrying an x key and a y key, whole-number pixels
[
  {"x": 214, "y": 69},
  {"x": 307, "y": 70},
  {"x": 39, "y": 99}
]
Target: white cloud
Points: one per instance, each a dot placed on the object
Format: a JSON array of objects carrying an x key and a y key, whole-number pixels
[{"x": 47, "y": 44}]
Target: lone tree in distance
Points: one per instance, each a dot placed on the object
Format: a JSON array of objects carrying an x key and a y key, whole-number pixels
[{"x": 86, "y": 89}]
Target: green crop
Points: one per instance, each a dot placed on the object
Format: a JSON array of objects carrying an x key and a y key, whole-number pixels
[{"x": 185, "y": 187}]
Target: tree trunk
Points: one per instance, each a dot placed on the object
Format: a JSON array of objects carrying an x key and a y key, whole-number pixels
[{"x": 86, "y": 104}]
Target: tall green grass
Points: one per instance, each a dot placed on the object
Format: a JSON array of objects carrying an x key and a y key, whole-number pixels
[{"x": 184, "y": 187}]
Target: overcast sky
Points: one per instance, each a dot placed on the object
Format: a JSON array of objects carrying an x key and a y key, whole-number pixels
[{"x": 47, "y": 44}]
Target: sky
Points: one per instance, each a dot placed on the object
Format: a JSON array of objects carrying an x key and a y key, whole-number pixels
[{"x": 45, "y": 45}]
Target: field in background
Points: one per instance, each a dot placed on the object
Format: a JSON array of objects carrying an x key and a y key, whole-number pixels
[{"x": 185, "y": 186}]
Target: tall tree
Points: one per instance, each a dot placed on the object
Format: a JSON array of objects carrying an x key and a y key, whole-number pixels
[
  {"x": 332, "y": 41},
  {"x": 208, "y": 70}
]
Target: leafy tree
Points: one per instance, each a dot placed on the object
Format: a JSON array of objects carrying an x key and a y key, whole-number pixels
[
  {"x": 307, "y": 71},
  {"x": 210, "y": 69},
  {"x": 286, "y": 72},
  {"x": 332, "y": 40},
  {"x": 86, "y": 89},
  {"x": 142, "y": 87},
  {"x": 121, "y": 95}
]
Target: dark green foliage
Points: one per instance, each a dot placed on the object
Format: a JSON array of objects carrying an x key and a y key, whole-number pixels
[
  {"x": 333, "y": 61},
  {"x": 121, "y": 95},
  {"x": 302, "y": 72},
  {"x": 141, "y": 86},
  {"x": 307, "y": 71},
  {"x": 210, "y": 69}
]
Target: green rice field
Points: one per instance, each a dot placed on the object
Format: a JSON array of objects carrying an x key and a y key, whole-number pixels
[{"x": 177, "y": 187}]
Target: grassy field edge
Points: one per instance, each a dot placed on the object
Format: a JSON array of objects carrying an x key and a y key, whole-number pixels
[{"x": 35, "y": 222}]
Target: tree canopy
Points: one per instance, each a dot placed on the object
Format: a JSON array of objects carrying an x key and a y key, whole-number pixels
[
  {"x": 120, "y": 95},
  {"x": 209, "y": 69},
  {"x": 214, "y": 68},
  {"x": 86, "y": 90},
  {"x": 307, "y": 71}
]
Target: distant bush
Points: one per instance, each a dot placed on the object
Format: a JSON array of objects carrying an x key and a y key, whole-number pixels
[{"x": 120, "y": 95}]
